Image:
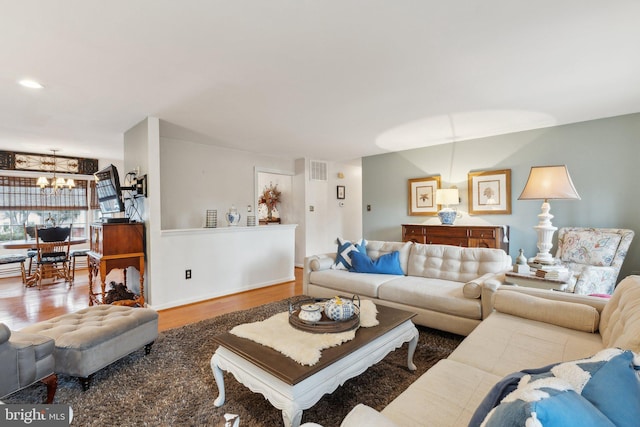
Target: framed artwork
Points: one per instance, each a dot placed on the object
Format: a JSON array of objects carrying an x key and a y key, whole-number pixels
[
  {"x": 490, "y": 192},
  {"x": 422, "y": 195},
  {"x": 340, "y": 192}
]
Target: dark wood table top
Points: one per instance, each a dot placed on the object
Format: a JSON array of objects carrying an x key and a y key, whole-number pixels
[
  {"x": 290, "y": 371},
  {"x": 31, "y": 243}
]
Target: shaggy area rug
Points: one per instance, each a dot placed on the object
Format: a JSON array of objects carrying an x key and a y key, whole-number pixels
[{"x": 174, "y": 386}]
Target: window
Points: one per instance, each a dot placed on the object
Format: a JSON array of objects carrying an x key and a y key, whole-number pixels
[{"x": 22, "y": 203}]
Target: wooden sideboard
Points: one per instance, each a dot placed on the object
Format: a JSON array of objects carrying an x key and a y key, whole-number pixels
[
  {"x": 117, "y": 245},
  {"x": 471, "y": 236}
]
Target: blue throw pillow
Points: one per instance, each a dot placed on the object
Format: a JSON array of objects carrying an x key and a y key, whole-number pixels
[
  {"x": 345, "y": 248},
  {"x": 548, "y": 407},
  {"x": 612, "y": 384},
  {"x": 386, "y": 264}
]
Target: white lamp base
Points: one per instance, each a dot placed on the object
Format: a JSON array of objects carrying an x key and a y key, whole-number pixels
[{"x": 545, "y": 232}]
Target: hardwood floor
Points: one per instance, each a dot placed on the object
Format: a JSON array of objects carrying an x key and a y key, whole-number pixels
[{"x": 20, "y": 306}]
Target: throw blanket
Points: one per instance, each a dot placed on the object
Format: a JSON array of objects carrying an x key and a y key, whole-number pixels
[
  {"x": 303, "y": 347},
  {"x": 499, "y": 391}
]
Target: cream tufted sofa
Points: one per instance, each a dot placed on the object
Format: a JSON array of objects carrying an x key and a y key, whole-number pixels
[
  {"x": 442, "y": 284},
  {"x": 527, "y": 330}
]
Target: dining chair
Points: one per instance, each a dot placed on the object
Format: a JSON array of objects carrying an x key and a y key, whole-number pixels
[
  {"x": 11, "y": 259},
  {"x": 53, "y": 245},
  {"x": 30, "y": 233},
  {"x": 74, "y": 255}
]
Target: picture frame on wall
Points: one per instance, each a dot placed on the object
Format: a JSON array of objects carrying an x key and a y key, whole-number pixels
[
  {"x": 340, "y": 192},
  {"x": 422, "y": 195},
  {"x": 490, "y": 192}
]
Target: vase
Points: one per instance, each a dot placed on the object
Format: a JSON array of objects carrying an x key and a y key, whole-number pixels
[
  {"x": 447, "y": 216},
  {"x": 521, "y": 259},
  {"x": 310, "y": 312},
  {"x": 233, "y": 217}
]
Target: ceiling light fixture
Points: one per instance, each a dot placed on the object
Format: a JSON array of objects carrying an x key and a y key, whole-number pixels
[
  {"x": 57, "y": 183},
  {"x": 31, "y": 84}
]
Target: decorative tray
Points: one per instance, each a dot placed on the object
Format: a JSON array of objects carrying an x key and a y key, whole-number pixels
[{"x": 325, "y": 324}]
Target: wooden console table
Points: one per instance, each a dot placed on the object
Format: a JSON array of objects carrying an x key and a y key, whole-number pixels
[
  {"x": 118, "y": 245},
  {"x": 470, "y": 236}
]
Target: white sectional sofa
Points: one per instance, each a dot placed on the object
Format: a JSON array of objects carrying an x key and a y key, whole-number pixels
[
  {"x": 528, "y": 330},
  {"x": 442, "y": 284}
]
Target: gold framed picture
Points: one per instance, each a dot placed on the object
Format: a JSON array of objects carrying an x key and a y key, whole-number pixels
[
  {"x": 490, "y": 192},
  {"x": 422, "y": 195}
]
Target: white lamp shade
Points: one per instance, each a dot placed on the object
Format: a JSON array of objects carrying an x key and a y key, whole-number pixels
[
  {"x": 60, "y": 182},
  {"x": 447, "y": 196},
  {"x": 42, "y": 182},
  {"x": 549, "y": 182}
]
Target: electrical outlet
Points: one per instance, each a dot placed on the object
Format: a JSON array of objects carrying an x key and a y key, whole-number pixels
[{"x": 187, "y": 274}]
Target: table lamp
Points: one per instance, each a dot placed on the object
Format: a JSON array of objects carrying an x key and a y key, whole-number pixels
[
  {"x": 447, "y": 197},
  {"x": 545, "y": 183}
]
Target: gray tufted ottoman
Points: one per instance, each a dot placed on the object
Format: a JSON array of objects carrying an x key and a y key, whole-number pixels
[{"x": 92, "y": 338}]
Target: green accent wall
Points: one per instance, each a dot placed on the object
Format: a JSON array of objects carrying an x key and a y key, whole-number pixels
[{"x": 602, "y": 156}]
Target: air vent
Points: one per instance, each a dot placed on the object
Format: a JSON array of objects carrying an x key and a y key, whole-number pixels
[{"x": 318, "y": 170}]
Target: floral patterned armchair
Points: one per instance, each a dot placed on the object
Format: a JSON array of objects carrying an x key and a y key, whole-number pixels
[{"x": 594, "y": 255}]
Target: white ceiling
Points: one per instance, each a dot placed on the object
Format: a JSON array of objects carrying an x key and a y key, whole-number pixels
[{"x": 324, "y": 79}]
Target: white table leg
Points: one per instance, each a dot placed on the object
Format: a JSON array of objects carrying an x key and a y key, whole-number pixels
[
  {"x": 219, "y": 377},
  {"x": 412, "y": 348},
  {"x": 292, "y": 416}
]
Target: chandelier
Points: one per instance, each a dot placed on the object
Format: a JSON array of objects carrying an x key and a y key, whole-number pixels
[{"x": 56, "y": 183}]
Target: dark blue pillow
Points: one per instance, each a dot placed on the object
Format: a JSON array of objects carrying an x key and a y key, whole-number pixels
[
  {"x": 386, "y": 264},
  {"x": 345, "y": 248}
]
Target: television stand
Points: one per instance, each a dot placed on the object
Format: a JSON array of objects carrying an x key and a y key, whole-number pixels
[{"x": 115, "y": 246}]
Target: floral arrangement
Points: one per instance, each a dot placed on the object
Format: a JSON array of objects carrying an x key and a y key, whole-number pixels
[{"x": 270, "y": 197}]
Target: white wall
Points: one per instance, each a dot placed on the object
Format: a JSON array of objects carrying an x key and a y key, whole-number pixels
[
  {"x": 223, "y": 261},
  {"x": 332, "y": 218},
  {"x": 300, "y": 209},
  {"x": 197, "y": 177},
  {"x": 141, "y": 150},
  {"x": 187, "y": 176}
]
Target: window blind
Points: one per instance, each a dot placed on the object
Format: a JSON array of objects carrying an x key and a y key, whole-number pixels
[{"x": 22, "y": 193}]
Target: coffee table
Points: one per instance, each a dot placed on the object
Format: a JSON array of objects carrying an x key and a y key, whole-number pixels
[{"x": 292, "y": 387}]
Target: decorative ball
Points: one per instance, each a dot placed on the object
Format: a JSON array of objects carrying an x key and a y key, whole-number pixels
[{"x": 339, "y": 309}]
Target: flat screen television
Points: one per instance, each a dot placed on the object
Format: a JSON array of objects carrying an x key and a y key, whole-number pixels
[{"x": 109, "y": 190}]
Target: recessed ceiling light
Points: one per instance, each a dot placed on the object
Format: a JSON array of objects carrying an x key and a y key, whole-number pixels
[{"x": 30, "y": 84}]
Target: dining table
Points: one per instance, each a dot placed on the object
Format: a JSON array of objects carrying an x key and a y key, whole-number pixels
[
  {"x": 31, "y": 243},
  {"x": 30, "y": 278}
]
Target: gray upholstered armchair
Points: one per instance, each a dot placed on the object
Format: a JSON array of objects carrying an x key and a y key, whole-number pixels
[
  {"x": 24, "y": 360},
  {"x": 594, "y": 255}
]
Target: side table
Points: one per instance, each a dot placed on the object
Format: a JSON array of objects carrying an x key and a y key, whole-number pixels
[{"x": 533, "y": 281}]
